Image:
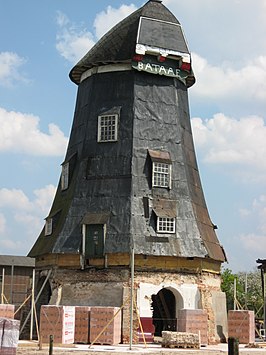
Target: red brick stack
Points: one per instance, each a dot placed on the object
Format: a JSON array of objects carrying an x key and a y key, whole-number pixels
[
  {"x": 241, "y": 325},
  {"x": 82, "y": 324},
  {"x": 194, "y": 321},
  {"x": 9, "y": 334},
  {"x": 7, "y": 311},
  {"x": 58, "y": 321},
  {"x": 99, "y": 318}
]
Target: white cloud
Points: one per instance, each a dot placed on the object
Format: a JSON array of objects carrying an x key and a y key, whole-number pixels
[
  {"x": 20, "y": 133},
  {"x": 14, "y": 198},
  {"x": 18, "y": 201},
  {"x": 27, "y": 216},
  {"x": 44, "y": 198},
  {"x": 223, "y": 30},
  {"x": 105, "y": 20},
  {"x": 72, "y": 42},
  {"x": 10, "y": 64},
  {"x": 226, "y": 82},
  {"x": 2, "y": 224},
  {"x": 254, "y": 244},
  {"x": 241, "y": 143}
]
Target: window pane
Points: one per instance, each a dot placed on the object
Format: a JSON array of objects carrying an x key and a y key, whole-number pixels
[
  {"x": 166, "y": 225},
  {"x": 161, "y": 174},
  {"x": 64, "y": 176},
  {"x": 107, "y": 128},
  {"x": 48, "y": 226}
]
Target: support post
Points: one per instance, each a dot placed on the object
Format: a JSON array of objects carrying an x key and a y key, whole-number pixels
[
  {"x": 36, "y": 300},
  {"x": 234, "y": 294},
  {"x": 132, "y": 297},
  {"x": 233, "y": 346},
  {"x": 264, "y": 295},
  {"x": 32, "y": 303},
  {"x": 3, "y": 286},
  {"x": 12, "y": 282},
  {"x": 51, "y": 344}
]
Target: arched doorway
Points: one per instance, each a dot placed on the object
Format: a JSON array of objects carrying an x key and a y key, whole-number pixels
[{"x": 164, "y": 311}]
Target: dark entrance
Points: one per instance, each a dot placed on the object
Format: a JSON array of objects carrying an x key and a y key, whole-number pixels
[
  {"x": 164, "y": 311},
  {"x": 94, "y": 243}
]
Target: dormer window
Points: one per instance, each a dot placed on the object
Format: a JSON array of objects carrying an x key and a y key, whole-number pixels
[
  {"x": 165, "y": 225},
  {"x": 68, "y": 167},
  {"x": 107, "y": 128},
  {"x": 65, "y": 176},
  {"x": 161, "y": 169},
  {"x": 161, "y": 174},
  {"x": 165, "y": 211},
  {"x": 48, "y": 226}
]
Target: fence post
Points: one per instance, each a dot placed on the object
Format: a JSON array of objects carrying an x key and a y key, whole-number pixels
[
  {"x": 51, "y": 344},
  {"x": 233, "y": 346}
]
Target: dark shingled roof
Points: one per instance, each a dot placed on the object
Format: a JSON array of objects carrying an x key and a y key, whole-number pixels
[{"x": 118, "y": 45}]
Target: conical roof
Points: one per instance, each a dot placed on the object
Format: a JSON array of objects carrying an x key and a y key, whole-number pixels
[{"x": 118, "y": 45}]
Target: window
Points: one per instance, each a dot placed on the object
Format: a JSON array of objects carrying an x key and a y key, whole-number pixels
[
  {"x": 161, "y": 174},
  {"x": 161, "y": 168},
  {"x": 165, "y": 225},
  {"x": 107, "y": 128},
  {"x": 48, "y": 226},
  {"x": 166, "y": 212},
  {"x": 64, "y": 176}
]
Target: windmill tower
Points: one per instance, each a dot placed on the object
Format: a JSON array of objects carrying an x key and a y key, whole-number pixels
[{"x": 130, "y": 181}]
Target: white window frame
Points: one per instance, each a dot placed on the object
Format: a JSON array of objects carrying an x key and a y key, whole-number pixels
[
  {"x": 166, "y": 225},
  {"x": 161, "y": 174},
  {"x": 65, "y": 176},
  {"x": 48, "y": 226},
  {"x": 107, "y": 132}
]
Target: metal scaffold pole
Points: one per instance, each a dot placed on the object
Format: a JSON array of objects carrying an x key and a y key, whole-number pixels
[{"x": 132, "y": 297}]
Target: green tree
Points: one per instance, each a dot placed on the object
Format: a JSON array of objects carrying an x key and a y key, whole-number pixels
[
  {"x": 248, "y": 290},
  {"x": 227, "y": 286}
]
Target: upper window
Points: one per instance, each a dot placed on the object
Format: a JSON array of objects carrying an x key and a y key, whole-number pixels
[
  {"x": 48, "y": 226},
  {"x": 165, "y": 225},
  {"x": 161, "y": 174},
  {"x": 65, "y": 176},
  {"x": 161, "y": 168},
  {"x": 107, "y": 128}
]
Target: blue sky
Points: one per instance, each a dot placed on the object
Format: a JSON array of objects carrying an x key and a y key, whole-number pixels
[{"x": 40, "y": 42}]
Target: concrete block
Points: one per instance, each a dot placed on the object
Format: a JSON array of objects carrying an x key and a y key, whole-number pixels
[
  {"x": 241, "y": 325},
  {"x": 180, "y": 340},
  {"x": 7, "y": 311},
  {"x": 194, "y": 321},
  {"x": 99, "y": 318},
  {"x": 82, "y": 324},
  {"x": 58, "y": 321}
]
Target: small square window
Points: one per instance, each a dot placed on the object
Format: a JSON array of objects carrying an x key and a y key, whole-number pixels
[
  {"x": 107, "y": 128},
  {"x": 48, "y": 226},
  {"x": 165, "y": 225},
  {"x": 64, "y": 176},
  {"x": 161, "y": 174}
]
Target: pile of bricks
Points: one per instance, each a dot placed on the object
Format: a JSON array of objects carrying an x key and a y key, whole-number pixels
[
  {"x": 9, "y": 334},
  {"x": 194, "y": 321},
  {"x": 99, "y": 318},
  {"x": 7, "y": 311},
  {"x": 241, "y": 325},
  {"x": 82, "y": 324},
  {"x": 180, "y": 340},
  {"x": 58, "y": 321}
]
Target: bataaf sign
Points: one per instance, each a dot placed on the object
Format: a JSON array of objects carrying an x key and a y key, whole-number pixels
[{"x": 167, "y": 68}]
